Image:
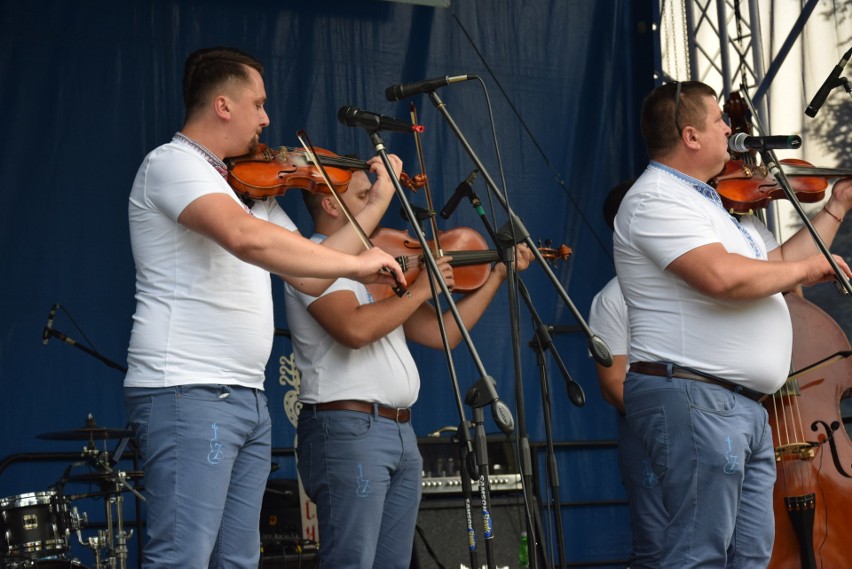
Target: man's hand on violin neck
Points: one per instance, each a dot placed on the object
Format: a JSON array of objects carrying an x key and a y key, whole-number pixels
[
  {"x": 383, "y": 189},
  {"x": 842, "y": 194}
]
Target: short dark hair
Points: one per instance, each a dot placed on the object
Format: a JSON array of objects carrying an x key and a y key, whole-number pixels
[
  {"x": 613, "y": 201},
  {"x": 313, "y": 202},
  {"x": 209, "y": 69},
  {"x": 660, "y": 128}
]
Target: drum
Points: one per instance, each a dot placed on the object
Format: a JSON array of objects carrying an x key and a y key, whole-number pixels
[{"x": 34, "y": 526}]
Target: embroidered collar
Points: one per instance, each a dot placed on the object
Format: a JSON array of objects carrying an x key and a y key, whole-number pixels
[
  {"x": 713, "y": 196},
  {"x": 701, "y": 187},
  {"x": 217, "y": 164},
  {"x": 211, "y": 158}
]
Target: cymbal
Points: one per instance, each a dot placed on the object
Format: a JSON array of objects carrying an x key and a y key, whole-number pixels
[{"x": 87, "y": 434}]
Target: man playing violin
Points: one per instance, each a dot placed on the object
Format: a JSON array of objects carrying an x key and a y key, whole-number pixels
[
  {"x": 357, "y": 451},
  {"x": 202, "y": 330},
  {"x": 710, "y": 333}
]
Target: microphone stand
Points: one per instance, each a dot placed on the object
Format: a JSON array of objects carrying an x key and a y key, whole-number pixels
[
  {"x": 598, "y": 348},
  {"x": 773, "y": 165},
  {"x": 542, "y": 341},
  {"x": 483, "y": 392},
  {"x": 467, "y": 469},
  {"x": 70, "y": 341}
]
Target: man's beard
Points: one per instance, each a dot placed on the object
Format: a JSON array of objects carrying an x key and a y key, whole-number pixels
[{"x": 254, "y": 144}]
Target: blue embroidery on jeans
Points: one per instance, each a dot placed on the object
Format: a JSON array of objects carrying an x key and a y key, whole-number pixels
[
  {"x": 650, "y": 479},
  {"x": 363, "y": 488},
  {"x": 733, "y": 460},
  {"x": 215, "y": 455}
]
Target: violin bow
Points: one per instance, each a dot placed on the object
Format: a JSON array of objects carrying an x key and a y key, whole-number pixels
[
  {"x": 362, "y": 236},
  {"x": 438, "y": 251}
]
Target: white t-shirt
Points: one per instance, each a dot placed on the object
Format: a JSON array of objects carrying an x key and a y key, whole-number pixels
[
  {"x": 608, "y": 318},
  {"x": 661, "y": 218},
  {"x": 381, "y": 372},
  {"x": 202, "y": 315}
]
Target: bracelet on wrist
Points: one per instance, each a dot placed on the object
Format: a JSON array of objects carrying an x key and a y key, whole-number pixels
[{"x": 828, "y": 211}]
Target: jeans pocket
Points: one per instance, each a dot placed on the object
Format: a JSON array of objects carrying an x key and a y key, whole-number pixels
[
  {"x": 203, "y": 392},
  {"x": 650, "y": 426},
  {"x": 347, "y": 426},
  {"x": 710, "y": 398}
]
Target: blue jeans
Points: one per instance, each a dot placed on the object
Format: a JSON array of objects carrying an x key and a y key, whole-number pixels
[
  {"x": 711, "y": 450},
  {"x": 363, "y": 473},
  {"x": 206, "y": 454},
  {"x": 647, "y": 515}
]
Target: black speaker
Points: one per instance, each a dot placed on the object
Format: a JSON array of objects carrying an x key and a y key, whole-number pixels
[
  {"x": 441, "y": 540},
  {"x": 282, "y": 546}
]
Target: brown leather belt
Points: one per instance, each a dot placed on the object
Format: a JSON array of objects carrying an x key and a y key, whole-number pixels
[
  {"x": 659, "y": 369},
  {"x": 398, "y": 414}
]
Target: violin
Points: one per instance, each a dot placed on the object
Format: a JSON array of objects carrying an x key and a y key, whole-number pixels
[
  {"x": 471, "y": 257},
  {"x": 745, "y": 185},
  {"x": 269, "y": 172}
]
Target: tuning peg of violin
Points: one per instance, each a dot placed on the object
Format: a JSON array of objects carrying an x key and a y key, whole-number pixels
[{"x": 553, "y": 254}]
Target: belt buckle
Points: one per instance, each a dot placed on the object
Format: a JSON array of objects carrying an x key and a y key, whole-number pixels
[{"x": 398, "y": 410}]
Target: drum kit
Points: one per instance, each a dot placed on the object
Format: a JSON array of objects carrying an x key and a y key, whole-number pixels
[{"x": 36, "y": 528}]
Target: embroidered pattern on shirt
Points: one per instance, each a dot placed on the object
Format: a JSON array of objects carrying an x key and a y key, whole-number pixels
[
  {"x": 713, "y": 196},
  {"x": 211, "y": 158}
]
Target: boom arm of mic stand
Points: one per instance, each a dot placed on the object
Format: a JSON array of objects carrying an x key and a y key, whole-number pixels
[
  {"x": 499, "y": 412},
  {"x": 598, "y": 348},
  {"x": 768, "y": 157},
  {"x": 71, "y": 342}
]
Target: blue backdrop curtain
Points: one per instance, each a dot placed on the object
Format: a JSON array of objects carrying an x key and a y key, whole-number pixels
[{"x": 89, "y": 88}]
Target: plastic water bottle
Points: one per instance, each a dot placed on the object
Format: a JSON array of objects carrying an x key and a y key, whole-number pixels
[{"x": 523, "y": 552}]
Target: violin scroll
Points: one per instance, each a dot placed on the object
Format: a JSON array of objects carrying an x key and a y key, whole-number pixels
[{"x": 554, "y": 254}]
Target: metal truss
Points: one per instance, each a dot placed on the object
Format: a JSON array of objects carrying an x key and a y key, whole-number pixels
[{"x": 719, "y": 42}]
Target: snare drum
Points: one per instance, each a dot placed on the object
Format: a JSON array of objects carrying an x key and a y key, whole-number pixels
[{"x": 34, "y": 526}]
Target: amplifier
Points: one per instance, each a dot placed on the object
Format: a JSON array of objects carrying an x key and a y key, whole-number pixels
[
  {"x": 442, "y": 472},
  {"x": 281, "y": 522},
  {"x": 453, "y": 484}
]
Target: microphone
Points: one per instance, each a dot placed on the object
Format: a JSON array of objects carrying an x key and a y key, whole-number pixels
[
  {"x": 741, "y": 142},
  {"x": 830, "y": 83},
  {"x": 397, "y": 92},
  {"x": 48, "y": 328},
  {"x": 353, "y": 116},
  {"x": 462, "y": 190}
]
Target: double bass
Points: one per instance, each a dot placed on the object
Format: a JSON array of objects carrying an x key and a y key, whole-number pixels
[{"x": 812, "y": 498}]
